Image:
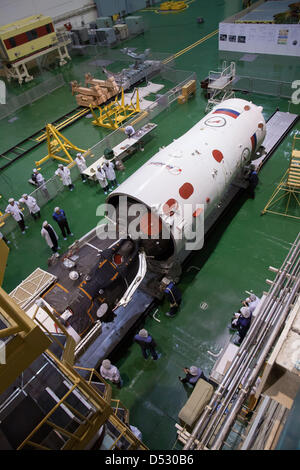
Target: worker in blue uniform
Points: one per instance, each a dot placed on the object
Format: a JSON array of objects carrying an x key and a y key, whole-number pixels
[
  {"x": 243, "y": 323},
  {"x": 60, "y": 217},
  {"x": 174, "y": 296},
  {"x": 253, "y": 182},
  {"x": 193, "y": 374},
  {"x": 146, "y": 343}
]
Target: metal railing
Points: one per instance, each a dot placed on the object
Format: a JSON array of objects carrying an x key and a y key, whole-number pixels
[
  {"x": 54, "y": 185},
  {"x": 30, "y": 96},
  {"x": 213, "y": 426},
  {"x": 263, "y": 86}
]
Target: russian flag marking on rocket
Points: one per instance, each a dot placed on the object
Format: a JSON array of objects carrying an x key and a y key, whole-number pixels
[
  {"x": 228, "y": 112},
  {"x": 253, "y": 141}
]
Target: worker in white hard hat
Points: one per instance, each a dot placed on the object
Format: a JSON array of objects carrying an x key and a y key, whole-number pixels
[
  {"x": 31, "y": 203},
  {"x": 243, "y": 323},
  {"x": 251, "y": 302},
  {"x": 14, "y": 209},
  {"x": 81, "y": 164},
  {"x": 101, "y": 177},
  {"x": 39, "y": 181},
  {"x": 129, "y": 131},
  {"x": 193, "y": 374},
  {"x": 111, "y": 373},
  {"x": 110, "y": 173},
  {"x": 64, "y": 173},
  {"x": 147, "y": 344},
  {"x": 50, "y": 236}
]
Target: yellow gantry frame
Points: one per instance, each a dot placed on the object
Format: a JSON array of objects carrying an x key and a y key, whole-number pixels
[
  {"x": 112, "y": 115},
  {"x": 27, "y": 342},
  {"x": 56, "y": 143}
]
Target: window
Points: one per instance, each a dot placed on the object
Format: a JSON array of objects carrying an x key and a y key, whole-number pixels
[
  {"x": 12, "y": 42},
  {"x": 32, "y": 34}
]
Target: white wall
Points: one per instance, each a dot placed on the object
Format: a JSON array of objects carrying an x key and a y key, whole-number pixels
[
  {"x": 279, "y": 39},
  {"x": 61, "y": 11}
]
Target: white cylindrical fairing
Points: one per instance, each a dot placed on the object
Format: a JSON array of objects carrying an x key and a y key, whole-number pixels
[{"x": 196, "y": 169}]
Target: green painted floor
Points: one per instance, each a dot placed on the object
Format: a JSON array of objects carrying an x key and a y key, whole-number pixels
[{"x": 236, "y": 255}]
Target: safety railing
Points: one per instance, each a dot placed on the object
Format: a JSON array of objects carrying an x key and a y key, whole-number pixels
[
  {"x": 54, "y": 185},
  {"x": 263, "y": 86},
  {"x": 214, "y": 424},
  {"x": 15, "y": 103}
]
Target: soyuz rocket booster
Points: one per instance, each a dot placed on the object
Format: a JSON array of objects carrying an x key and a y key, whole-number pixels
[{"x": 195, "y": 169}]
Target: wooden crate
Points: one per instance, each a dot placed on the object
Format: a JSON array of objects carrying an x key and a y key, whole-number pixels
[
  {"x": 189, "y": 88},
  {"x": 181, "y": 99}
]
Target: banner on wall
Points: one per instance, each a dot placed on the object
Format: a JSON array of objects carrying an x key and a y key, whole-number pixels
[{"x": 278, "y": 39}]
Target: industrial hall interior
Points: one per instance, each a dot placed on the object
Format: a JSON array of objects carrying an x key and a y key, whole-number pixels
[{"x": 149, "y": 225}]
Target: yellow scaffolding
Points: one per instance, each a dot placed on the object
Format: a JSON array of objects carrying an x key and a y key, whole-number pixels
[
  {"x": 288, "y": 188},
  {"x": 56, "y": 143},
  {"x": 112, "y": 115},
  {"x": 26, "y": 341}
]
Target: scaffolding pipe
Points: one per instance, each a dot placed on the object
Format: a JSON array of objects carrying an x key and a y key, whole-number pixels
[
  {"x": 281, "y": 314},
  {"x": 255, "y": 337},
  {"x": 225, "y": 430}
]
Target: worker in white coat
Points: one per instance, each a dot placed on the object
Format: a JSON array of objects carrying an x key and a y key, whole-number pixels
[
  {"x": 50, "y": 236},
  {"x": 110, "y": 372},
  {"x": 110, "y": 173},
  {"x": 64, "y": 173},
  {"x": 13, "y": 209},
  {"x": 251, "y": 302},
  {"x": 40, "y": 182},
  {"x": 31, "y": 203},
  {"x": 101, "y": 177},
  {"x": 80, "y": 162}
]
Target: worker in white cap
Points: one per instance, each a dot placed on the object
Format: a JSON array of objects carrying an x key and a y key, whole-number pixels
[
  {"x": 60, "y": 217},
  {"x": 129, "y": 131},
  {"x": 39, "y": 181},
  {"x": 13, "y": 209},
  {"x": 193, "y": 374},
  {"x": 251, "y": 302},
  {"x": 81, "y": 164},
  {"x": 111, "y": 373},
  {"x": 110, "y": 173},
  {"x": 64, "y": 173},
  {"x": 243, "y": 323},
  {"x": 50, "y": 236},
  {"x": 101, "y": 177},
  {"x": 31, "y": 203},
  {"x": 146, "y": 343}
]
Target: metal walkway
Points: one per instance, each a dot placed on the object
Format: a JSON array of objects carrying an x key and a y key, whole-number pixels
[{"x": 278, "y": 126}]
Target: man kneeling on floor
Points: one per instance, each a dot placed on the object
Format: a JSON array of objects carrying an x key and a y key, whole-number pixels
[{"x": 193, "y": 374}]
